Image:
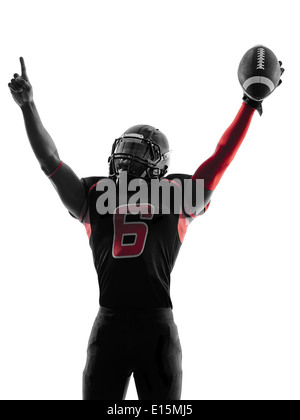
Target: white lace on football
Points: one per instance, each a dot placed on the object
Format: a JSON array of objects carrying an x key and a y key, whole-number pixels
[{"x": 261, "y": 55}]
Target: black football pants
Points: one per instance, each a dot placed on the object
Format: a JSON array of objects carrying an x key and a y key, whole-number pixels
[{"x": 144, "y": 343}]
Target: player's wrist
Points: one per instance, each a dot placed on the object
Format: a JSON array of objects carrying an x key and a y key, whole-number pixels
[
  {"x": 28, "y": 105},
  {"x": 254, "y": 104}
]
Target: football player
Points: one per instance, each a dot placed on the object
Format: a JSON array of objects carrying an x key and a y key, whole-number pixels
[{"x": 134, "y": 252}]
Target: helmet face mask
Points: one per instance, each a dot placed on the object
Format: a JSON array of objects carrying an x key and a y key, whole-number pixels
[{"x": 142, "y": 151}]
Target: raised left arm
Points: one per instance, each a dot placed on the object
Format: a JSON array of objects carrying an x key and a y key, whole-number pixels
[{"x": 212, "y": 170}]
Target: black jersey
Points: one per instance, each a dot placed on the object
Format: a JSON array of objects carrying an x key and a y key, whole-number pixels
[{"x": 134, "y": 254}]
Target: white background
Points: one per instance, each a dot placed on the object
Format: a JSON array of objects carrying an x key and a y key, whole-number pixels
[{"x": 98, "y": 67}]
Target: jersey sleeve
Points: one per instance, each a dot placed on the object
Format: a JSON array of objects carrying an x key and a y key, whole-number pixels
[
  {"x": 88, "y": 183},
  {"x": 195, "y": 198}
]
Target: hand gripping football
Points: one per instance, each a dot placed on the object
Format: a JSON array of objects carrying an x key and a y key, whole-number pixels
[{"x": 259, "y": 72}]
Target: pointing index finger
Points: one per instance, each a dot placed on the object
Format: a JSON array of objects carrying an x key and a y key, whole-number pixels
[{"x": 23, "y": 68}]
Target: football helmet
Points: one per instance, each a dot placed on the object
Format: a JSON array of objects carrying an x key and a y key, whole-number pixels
[{"x": 142, "y": 151}]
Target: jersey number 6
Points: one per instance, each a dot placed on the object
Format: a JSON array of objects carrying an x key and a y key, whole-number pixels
[{"x": 130, "y": 237}]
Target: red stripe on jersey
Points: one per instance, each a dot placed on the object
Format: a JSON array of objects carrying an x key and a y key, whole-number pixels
[
  {"x": 54, "y": 172},
  {"x": 172, "y": 182},
  {"x": 182, "y": 226},
  {"x": 83, "y": 211},
  {"x": 93, "y": 186},
  {"x": 96, "y": 183},
  {"x": 87, "y": 223},
  {"x": 206, "y": 207},
  {"x": 188, "y": 210},
  {"x": 88, "y": 229}
]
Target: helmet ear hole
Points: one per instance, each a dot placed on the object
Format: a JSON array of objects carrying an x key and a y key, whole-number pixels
[{"x": 157, "y": 172}]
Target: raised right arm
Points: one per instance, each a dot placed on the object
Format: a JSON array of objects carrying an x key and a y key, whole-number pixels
[{"x": 66, "y": 182}]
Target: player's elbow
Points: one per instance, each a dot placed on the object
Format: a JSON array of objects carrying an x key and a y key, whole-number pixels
[{"x": 49, "y": 164}]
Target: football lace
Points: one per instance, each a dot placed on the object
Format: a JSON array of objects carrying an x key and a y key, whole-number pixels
[{"x": 260, "y": 59}]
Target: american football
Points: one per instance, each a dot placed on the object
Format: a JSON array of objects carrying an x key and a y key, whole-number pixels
[{"x": 259, "y": 72}]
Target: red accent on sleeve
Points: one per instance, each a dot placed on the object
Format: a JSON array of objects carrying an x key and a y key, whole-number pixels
[
  {"x": 59, "y": 166},
  {"x": 214, "y": 167}
]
